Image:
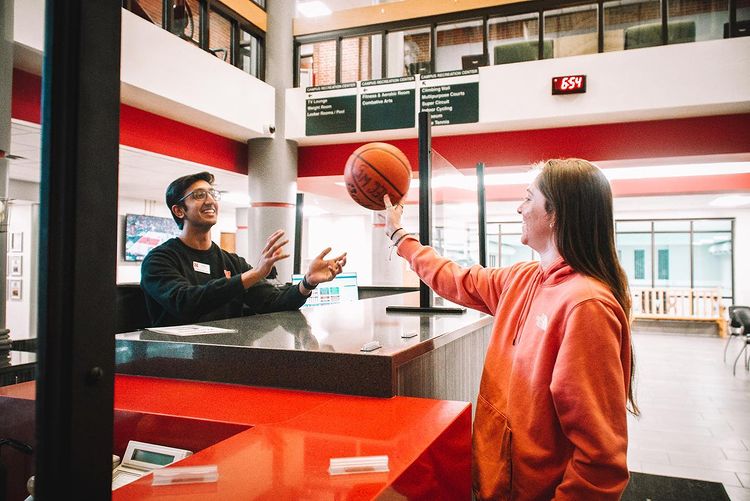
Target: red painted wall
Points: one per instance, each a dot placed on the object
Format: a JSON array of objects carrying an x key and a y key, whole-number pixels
[
  {"x": 629, "y": 140},
  {"x": 144, "y": 130}
]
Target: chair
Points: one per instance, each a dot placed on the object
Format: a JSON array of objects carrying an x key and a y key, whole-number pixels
[
  {"x": 739, "y": 326},
  {"x": 649, "y": 35},
  {"x": 516, "y": 52}
]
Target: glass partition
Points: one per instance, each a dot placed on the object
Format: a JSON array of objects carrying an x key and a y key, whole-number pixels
[
  {"x": 249, "y": 53},
  {"x": 514, "y": 39},
  {"x": 361, "y": 58},
  {"x": 712, "y": 261},
  {"x": 672, "y": 260},
  {"x": 624, "y": 18},
  {"x": 696, "y": 20},
  {"x": 317, "y": 63},
  {"x": 459, "y": 46},
  {"x": 409, "y": 52},
  {"x": 572, "y": 31}
]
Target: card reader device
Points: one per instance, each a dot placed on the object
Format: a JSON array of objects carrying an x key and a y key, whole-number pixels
[{"x": 141, "y": 458}]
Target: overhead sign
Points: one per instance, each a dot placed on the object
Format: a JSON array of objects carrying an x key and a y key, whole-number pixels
[
  {"x": 451, "y": 97},
  {"x": 571, "y": 84},
  {"x": 329, "y": 112},
  {"x": 387, "y": 104}
]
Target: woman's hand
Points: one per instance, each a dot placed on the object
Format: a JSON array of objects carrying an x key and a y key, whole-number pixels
[
  {"x": 324, "y": 270},
  {"x": 393, "y": 214}
]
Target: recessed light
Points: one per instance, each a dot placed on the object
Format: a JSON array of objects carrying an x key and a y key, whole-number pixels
[
  {"x": 730, "y": 201},
  {"x": 316, "y": 8}
]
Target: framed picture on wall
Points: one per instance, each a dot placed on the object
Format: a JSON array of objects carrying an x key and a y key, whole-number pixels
[
  {"x": 16, "y": 242},
  {"x": 14, "y": 290},
  {"x": 15, "y": 265}
]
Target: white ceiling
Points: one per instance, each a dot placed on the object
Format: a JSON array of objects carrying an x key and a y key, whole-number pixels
[{"x": 143, "y": 175}]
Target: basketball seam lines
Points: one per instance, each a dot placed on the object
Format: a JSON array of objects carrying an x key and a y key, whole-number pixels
[
  {"x": 381, "y": 176},
  {"x": 391, "y": 154}
]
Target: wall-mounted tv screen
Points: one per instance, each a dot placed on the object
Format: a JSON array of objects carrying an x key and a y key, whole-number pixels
[{"x": 143, "y": 233}]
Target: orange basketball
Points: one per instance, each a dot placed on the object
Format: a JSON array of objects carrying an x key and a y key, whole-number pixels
[{"x": 375, "y": 169}]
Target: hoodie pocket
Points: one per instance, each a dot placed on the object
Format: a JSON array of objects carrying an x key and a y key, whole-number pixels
[{"x": 492, "y": 439}]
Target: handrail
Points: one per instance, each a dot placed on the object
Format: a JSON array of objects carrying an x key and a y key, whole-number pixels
[{"x": 681, "y": 303}]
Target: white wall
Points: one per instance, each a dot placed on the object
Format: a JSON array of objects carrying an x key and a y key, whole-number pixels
[
  {"x": 166, "y": 75},
  {"x": 673, "y": 81},
  {"x": 18, "y": 311}
]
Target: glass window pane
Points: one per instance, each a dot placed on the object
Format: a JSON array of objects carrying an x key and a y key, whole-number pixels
[
  {"x": 459, "y": 46},
  {"x": 634, "y": 250},
  {"x": 696, "y": 20},
  {"x": 712, "y": 225},
  {"x": 513, "y": 251},
  {"x": 633, "y": 226},
  {"x": 249, "y": 53},
  {"x": 186, "y": 22},
  {"x": 672, "y": 225},
  {"x": 317, "y": 64},
  {"x": 743, "y": 14},
  {"x": 409, "y": 52},
  {"x": 150, "y": 10},
  {"x": 571, "y": 31},
  {"x": 673, "y": 260},
  {"x": 712, "y": 261},
  {"x": 220, "y": 36},
  {"x": 625, "y": 21},
  {"x": 361, "y": 58},
  {"x": 515, "y": 38}
]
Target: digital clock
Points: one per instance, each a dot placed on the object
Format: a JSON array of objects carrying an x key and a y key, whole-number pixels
[{"x": 571, "y": 84}]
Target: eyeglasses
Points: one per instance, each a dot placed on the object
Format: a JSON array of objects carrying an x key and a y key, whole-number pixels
[{"x": 201, "y": 195}]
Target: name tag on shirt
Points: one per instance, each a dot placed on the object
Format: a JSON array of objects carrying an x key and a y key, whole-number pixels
[{"x": 201, "y": 267}]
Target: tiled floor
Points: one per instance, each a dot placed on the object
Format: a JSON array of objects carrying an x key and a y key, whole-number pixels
[{"x": 695, "y": 416}]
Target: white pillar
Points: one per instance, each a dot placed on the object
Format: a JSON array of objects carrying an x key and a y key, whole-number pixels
[
  {"x": 272, "y": 161},
  {"x": 241, "y": 235}
]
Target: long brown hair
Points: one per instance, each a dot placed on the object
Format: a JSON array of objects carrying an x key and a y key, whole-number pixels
[{"x": 579, "y": 196}]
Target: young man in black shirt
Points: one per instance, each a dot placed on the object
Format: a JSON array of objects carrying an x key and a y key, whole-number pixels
[{"x": 190, "y": 279}]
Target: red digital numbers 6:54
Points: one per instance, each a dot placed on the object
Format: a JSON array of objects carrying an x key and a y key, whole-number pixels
[{"x": 570, "y": 84}]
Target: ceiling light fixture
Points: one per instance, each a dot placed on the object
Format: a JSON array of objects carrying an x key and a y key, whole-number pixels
[
  {"x": 730, "y": 201},
  {"x": 316, "y": 8}
]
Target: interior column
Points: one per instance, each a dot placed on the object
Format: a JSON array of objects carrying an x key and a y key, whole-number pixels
[{"x": 272, "y": 161}]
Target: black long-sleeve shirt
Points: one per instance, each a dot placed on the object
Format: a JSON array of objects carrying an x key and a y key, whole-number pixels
[{"x": 183, "y": 285}]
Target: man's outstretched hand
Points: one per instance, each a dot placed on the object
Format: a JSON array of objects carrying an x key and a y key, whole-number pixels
[{"x": 324, "y": 270}]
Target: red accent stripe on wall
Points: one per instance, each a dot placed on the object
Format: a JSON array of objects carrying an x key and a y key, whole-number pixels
[
  {"x": 144, "y": 130},
  {"x": 709, "y": 135},
  {"x": 272, "y": 204}
]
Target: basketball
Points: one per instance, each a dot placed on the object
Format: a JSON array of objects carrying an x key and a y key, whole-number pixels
[{"x": 376, "y": 169}]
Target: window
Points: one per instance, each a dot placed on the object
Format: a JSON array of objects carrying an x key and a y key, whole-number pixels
[
  {"x": 248, "y": 53},
  {"x": 460, "y": 46},
  {"x": 220, "y": 36},
  {"x": 663, "y": 270},
  {"x": 514, "y": 39},
  {"x": 318, "y": 63},
  {"x": 361, "y": 58},
  {"x": 696, "y": 20},
  {"x": 409, "y": 52},
  {"x": 624, "y": 19},
  {"x": 639, "y": 259},
  {"x": 185, "y": 19},
  {"x": 572, "y": 31}
]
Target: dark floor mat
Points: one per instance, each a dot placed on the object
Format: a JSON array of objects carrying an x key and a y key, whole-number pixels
[{"x": 644, "y": 486}]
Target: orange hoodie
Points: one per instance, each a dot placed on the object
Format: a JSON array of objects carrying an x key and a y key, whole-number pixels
[{"x": 551, "y": 412}]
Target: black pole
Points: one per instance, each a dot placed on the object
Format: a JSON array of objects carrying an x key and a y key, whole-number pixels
[
  {"x": 482, "y": 221},
  {"x": 298, "y": 218},
  {"x": 425, "y": 196},
  {"x": 77, "y": 249}
]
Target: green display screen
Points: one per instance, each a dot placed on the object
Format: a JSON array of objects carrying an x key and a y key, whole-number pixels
[{"x": 152, "y": 457}]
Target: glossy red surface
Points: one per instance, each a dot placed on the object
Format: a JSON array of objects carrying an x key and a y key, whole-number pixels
[{"x": 285, "y": 455}]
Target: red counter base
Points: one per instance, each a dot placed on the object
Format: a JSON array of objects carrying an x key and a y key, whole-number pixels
[{"x": 289, "y": 437}]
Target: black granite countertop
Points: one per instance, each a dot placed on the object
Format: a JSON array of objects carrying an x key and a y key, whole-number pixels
[{"x": 300, "y": 349}]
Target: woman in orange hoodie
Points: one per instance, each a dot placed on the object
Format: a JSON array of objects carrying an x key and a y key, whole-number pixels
[{"x": 551, "y": 415}]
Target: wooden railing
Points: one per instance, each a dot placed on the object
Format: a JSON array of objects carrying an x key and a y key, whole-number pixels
[{"x": 680, "y": 304}]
